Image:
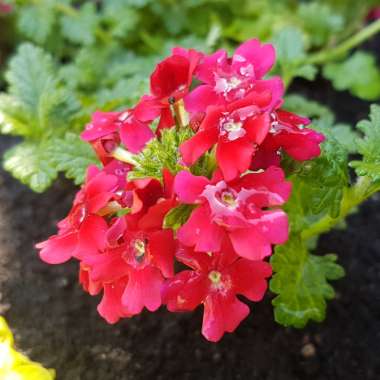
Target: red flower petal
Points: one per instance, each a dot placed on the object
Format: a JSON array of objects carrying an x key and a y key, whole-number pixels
[
  {"x": 135, "y": 135},
  {"x": 222, "y": 314},
  {"x": 200, "y": 232},
  {"x": 110, "y": 307},
  {"x": 162, "y": 247},
  {"x": 189, "y": 187},
  {"x": 58, "y": 249},
  {"x": 143, "y": 289},
  {"x": 234, "y": 157}
]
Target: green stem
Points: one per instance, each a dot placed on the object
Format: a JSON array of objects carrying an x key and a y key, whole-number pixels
[
  {"x": 355, "y": 195},
  {"x": 337, "y": 51},
  {"x": 333, "y": 53}
]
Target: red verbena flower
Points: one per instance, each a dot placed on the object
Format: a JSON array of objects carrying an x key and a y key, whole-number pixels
[
  {"x": 127, "y": 235},
  {"x": 214, "y": 281},
  {"x": 169, "y": 83},
  {"x": 83, "y": 229},
  {"x": 287, "y": 133},
  {"x": 229, "y": 79},
  {"x": 238, "y": 209},
  {"x": 237, "y": 127}
]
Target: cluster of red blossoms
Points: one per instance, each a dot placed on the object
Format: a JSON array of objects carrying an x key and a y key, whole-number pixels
[{"x": 116, "y": 227}]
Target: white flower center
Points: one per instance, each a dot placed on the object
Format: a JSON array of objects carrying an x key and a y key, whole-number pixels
[
  {"x": 234, "y": 129},
  {"x": 224, "y": 85}
]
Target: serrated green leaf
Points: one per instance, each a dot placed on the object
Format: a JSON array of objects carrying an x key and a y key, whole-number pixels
[
  {"x": 358, "y": 74},
  {"x": 81, "y": 28},
  {"x": 325, "y": 194},
  {"x": 36, "y": 22},
  {"x": 30, "y": 75},
  {"x": 33, "y": 86},
  {"x": 369, "y": 146},
  {"x": 300, "y": 281},
  {"x": 72, "y": 156},
  {"x": 177, "y": 216},
  {"x": 13, "y": 119},
  {"x": 346, "y": 136},
  {"x": 30, "y": 164},
  {"x": 159, "y": 154}
]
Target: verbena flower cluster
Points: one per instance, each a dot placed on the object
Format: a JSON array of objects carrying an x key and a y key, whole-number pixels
[{"x": 199, "y": 234}]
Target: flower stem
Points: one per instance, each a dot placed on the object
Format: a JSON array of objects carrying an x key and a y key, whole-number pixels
[
  {"x": 330, "y": 54},
  {"x": 337, "y": 51},
  {"x": 180, "y": 114},
  {"x": 124, "y": 156},
  {"x": 352, "y": 197}
]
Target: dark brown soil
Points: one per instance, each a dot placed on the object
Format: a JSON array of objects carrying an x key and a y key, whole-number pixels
[{"x": 57, "y": 324}]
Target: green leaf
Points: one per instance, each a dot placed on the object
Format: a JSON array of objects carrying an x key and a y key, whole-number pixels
[
  {"x": 30, "y": 76},
  {"x": 36, "y": 100},
  {"x": 330, "y": 168},
  {"x": 71, "y": 155},
  {"x": 300, "y": 281},
  {"x": 178, "y": 216},
  {"x": 36, "y": 22},
  {"x": 30, "y": 164},
  {"x": 308, "y": 72},
  {"x": 290, "y": 48},
  {"x": 121, "y": 19},
  {"x": 309, "y": 108},
  {"x": 80, "y": 28},
  {"x": 159, "y": 154},
  {"x": 369, "y": 146},
  {"x": 289, "y": 45},
  {"x": 358, "y": 74},
  {"x": 320, "y": 22},
  {"x": 12, "y": 116},
  {"x": 346, "y": 136}
]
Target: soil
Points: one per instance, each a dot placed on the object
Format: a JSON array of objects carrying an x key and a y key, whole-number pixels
[{"x": 56, "y": 323}]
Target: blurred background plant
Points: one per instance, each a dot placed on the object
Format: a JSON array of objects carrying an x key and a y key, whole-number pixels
[{"x": 62, "y": 60}]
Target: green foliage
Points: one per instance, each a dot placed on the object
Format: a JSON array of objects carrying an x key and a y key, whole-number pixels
[
  {"x": 358, "y": 74},
  {"x": 81, "y": 27},
  {"x": 35, "y": 91},
  {"x": 300, "y": 281},
  {"x": 309, "y": 108},
  {"x": 290, "y": 48},
  {"x": 71, "y": 155},
  {"x": 369, "y": 146},
  {"x": 320, "y": 21},
  {"x": 322, "y": 116},
  {"x": 40, "y": 109},
  {"x": 160, "y": 153},
  {"x": 99, "y": 56},
  {"x": 30, "y": 164},
  {"x": 310, "y": 198},
  {"x": 178, "y": 216},
  {"x": 31, "y": 25}
]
